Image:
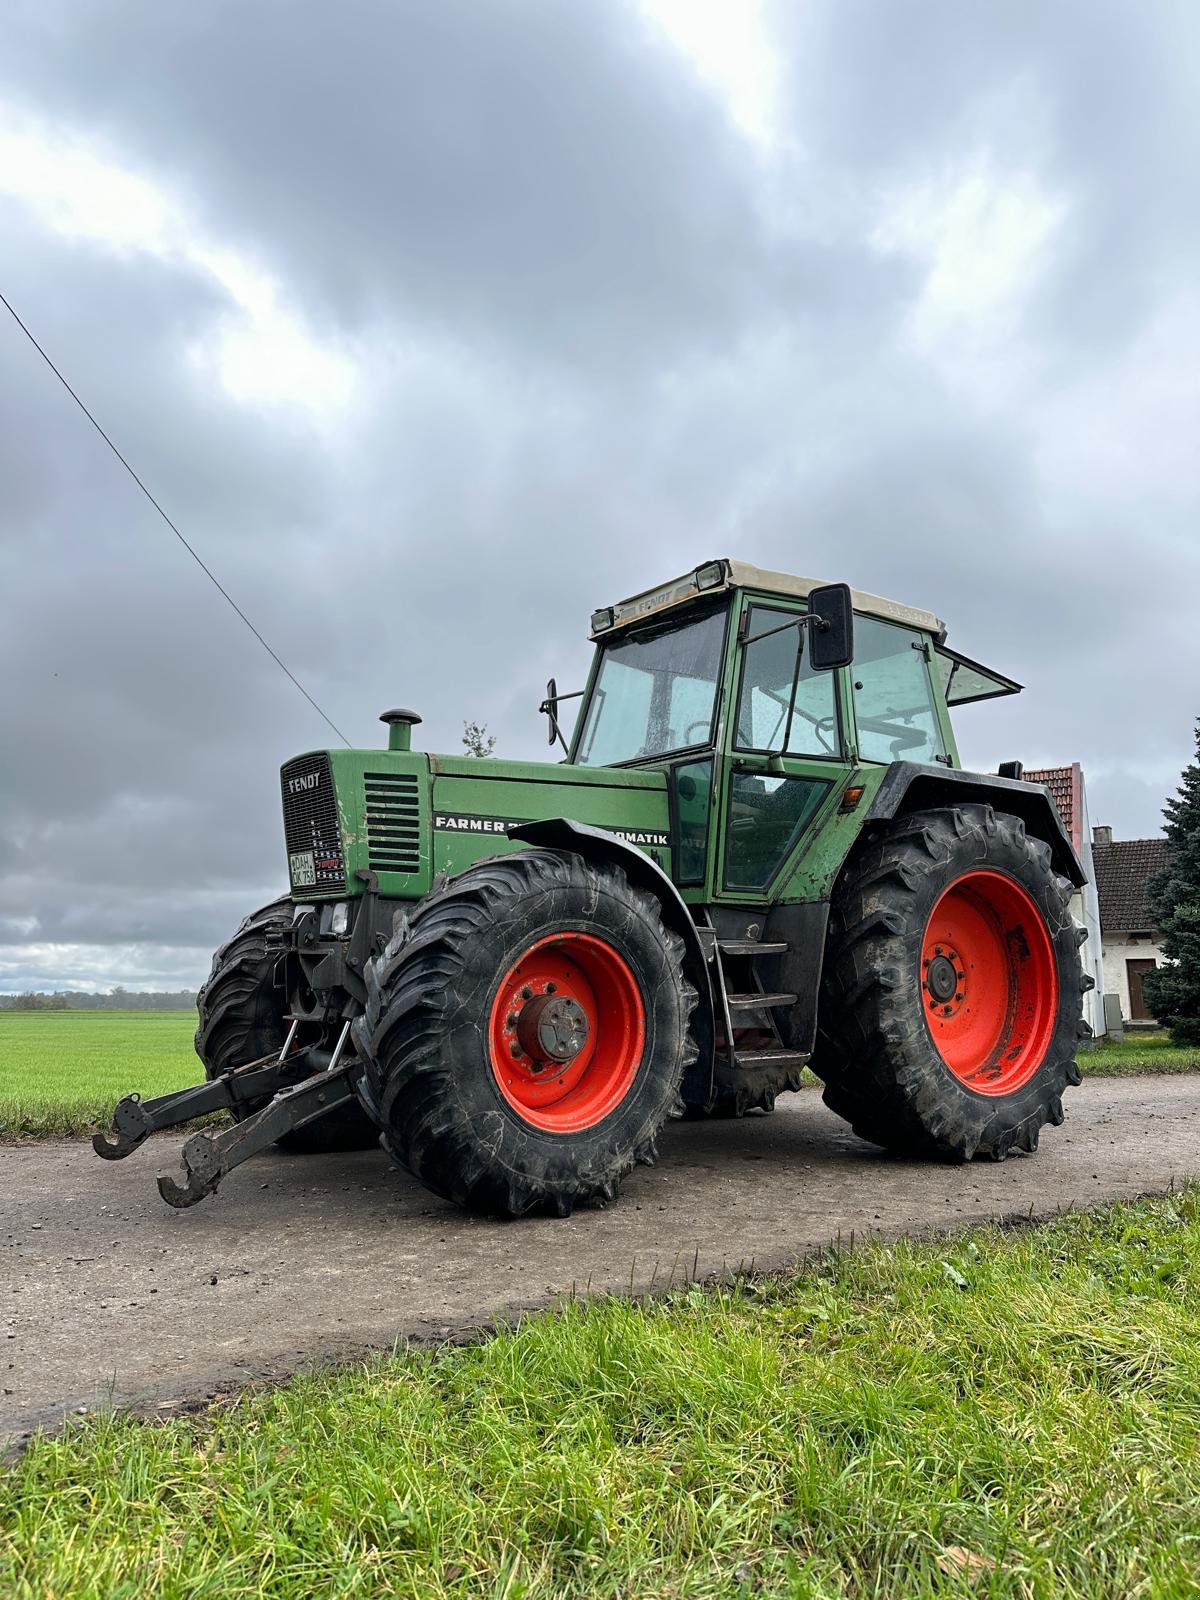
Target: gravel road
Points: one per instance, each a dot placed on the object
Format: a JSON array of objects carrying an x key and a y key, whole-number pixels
[{"x": 107, "y": 1296}]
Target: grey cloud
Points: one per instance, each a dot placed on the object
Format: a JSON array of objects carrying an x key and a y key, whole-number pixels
[
  {"x": 600, "y": 339},
  {"x": 538, "y": 177}
]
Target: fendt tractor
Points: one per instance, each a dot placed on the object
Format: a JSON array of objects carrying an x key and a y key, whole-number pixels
[{"x": 759, "y": 854}]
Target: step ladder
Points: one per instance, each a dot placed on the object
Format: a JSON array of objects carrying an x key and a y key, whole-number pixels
[{"x": 745, "y": 1005}]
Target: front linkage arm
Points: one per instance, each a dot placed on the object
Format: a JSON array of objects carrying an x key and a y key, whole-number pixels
[
  {"x": 207, "y": 1157},
  {"x": 135, "y": 1119}
]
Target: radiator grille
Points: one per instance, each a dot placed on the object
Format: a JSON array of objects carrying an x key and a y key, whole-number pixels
[
  {"x": 310, "y": 826},
  {"x": 393, "y": 809}
]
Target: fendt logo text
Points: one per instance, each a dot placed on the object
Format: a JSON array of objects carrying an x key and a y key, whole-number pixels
[{"x": 310, "y": 780}]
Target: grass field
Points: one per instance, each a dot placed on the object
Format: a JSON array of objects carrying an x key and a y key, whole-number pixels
[
  {"x": 1148, "y": 1052},
  {"x": 1001, "y": 1414},
  {"x": 61, "y": 1072}
]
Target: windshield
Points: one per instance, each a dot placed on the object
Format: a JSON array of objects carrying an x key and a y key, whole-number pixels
[{"x": 655, "y": 692}]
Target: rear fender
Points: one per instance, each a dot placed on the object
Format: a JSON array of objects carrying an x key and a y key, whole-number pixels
[
  {"x": 597, "y": 844},
  {"x": 908, "y": 786}
]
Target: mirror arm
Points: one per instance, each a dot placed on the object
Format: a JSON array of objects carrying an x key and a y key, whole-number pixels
[
  {"x": 549, "y": 708},
  {"x": 787, "y": 727},
  {"x": 796, "y": 622}
]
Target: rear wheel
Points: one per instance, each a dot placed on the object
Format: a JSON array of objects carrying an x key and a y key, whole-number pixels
[
  {"x": 242, "y": 1012},
  {"x": 526, "y": 1032},
  {"x": 951, "y": 1005}
]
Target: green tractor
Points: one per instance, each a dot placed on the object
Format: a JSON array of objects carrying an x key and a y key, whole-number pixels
[{"x": 758, "y": 854}]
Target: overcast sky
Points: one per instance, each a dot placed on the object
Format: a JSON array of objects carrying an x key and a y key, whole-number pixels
[{"x": 436, "y": 325}]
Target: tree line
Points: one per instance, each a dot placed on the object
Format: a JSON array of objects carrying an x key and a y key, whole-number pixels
[{"x": 117, "y": 999}]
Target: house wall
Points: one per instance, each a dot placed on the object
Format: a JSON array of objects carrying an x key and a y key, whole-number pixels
[
  {"x": 1085, "y": 908},
  {"x": 1122, "y": 947}
]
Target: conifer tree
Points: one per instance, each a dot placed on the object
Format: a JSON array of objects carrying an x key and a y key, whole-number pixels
[{"x": 1173, "y": 992}]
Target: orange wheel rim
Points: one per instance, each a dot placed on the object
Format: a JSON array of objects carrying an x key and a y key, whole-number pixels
[
  {"x": 989, "y": 984},
  {"x": 567, "y": 1032}
]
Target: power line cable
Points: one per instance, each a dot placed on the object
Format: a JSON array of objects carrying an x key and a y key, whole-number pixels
[{"x": 208, "y": 573}]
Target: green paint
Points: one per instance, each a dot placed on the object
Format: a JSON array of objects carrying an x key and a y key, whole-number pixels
[{"x": 736, "y": 806}]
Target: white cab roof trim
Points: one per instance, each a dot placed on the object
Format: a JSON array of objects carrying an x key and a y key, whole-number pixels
[
  {"x": 744, "y": 576},
  {"x": 741, "y": 575}
]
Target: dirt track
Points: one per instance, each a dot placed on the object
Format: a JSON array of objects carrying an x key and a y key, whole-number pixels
[{"x": 108, "y": 1295}]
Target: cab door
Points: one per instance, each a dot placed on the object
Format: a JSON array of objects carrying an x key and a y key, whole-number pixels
[{"x": 786, "y": 760}]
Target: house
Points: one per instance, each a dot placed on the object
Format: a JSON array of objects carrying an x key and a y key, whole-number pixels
[
  {"x": 1069, "y": 793},
  {"x": 1132, "y": 944}
]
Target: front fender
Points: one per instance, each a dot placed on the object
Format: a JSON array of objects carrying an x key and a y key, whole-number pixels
[{"x": 909, "y": 786}]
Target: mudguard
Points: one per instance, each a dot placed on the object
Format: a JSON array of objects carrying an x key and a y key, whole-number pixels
[
  {"x": 560, "y": 833},
  {"x": 909, "y": 786}
]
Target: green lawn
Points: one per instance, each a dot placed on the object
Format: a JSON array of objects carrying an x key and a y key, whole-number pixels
[
  {"x": 1001, "y": 1414},
  {"x": 1139, "y": 1053},
  {"x": 63, "y": 1071}
]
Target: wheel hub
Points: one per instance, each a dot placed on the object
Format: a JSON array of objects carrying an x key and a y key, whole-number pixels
[
  {"x": 945, "y": 976},
  {"x": 552, "y": 1027}
]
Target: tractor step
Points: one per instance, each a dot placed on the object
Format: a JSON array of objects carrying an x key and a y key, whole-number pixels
[
  {"x": 772, "y": 1058},
  {"x": 751, "y": 947},
  {"x": 759, "y": 1002}
]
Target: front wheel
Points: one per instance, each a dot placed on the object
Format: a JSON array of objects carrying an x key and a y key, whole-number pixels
[
  {"x": 951, "y": 1003},
  {"x": 526, "y": 1033}
]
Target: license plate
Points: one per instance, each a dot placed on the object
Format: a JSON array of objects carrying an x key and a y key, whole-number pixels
[{"x": 304, "y": 872}]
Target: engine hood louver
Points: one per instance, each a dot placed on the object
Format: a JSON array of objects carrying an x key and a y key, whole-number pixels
[{"x": 393, "y": 811}]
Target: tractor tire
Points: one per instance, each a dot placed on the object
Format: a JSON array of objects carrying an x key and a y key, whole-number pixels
[
  {"x": 241, "y": 1018},
  {"x": 735, "y": 1093},
  {"x": 461, "y": 1027},
  {"x": 951, "y": 1002}
]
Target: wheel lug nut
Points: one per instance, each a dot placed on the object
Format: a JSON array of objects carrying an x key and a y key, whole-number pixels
[
  {"x": 551, "y": 988},
  {"x": 526, "y": 993},
  {"x": 515, "y": 1050},
  {"x": 510, "y": 1020}
]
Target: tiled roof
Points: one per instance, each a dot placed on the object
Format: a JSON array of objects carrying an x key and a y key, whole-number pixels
[
  {"x": 1064, "y": 786},
  {"x": 1122, "y": 869}
]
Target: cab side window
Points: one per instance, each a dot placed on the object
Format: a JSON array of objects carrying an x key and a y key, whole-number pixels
[
  {"x": 893, "y": 695},
  {"x": 767, "y": 815},
  {"x": 768, "y": 667}
]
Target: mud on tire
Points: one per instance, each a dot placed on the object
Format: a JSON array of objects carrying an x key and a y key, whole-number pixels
[
  {"x": 241, "y": 1019},
  {"x": 876, "y": 1050},
  {"x": 436, "y": 998}
]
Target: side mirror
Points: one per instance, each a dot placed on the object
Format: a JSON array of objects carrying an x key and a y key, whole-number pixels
[
  {"x": 550, "y": 707},
  {"x": 831, "y": 634}
]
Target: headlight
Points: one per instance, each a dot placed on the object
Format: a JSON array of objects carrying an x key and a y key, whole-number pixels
[{"x": 340, "y": 920}]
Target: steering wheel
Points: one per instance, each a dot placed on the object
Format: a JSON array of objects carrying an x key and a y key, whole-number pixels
[
  {"x": 701, "y": 727},
  {"x": 819, "y": 725},
  {"x": 903, "y": 738}
]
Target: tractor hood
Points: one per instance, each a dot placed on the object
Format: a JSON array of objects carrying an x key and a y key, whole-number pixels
[{"x": 406, "y": 816}]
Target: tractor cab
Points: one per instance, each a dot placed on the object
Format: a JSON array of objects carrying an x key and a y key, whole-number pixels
[{"x": 776, "y": 705}]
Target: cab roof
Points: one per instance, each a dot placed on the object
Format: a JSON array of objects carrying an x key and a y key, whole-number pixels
[{"x": 715, "y": 577}]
